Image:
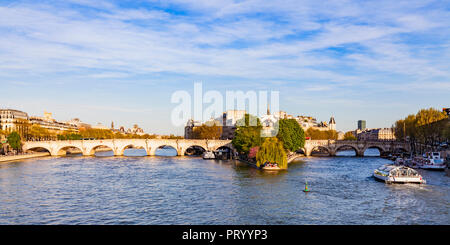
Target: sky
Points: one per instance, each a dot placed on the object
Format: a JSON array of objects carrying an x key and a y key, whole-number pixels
[{"x": 104, "y": 61}]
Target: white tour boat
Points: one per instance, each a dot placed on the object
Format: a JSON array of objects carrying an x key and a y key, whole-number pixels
[
  {"x": 209, "y": 155},
  {"x": 433, "y": 161},
  {"x": 271, "y": 166},
  {"x": 398, "y": 174}
]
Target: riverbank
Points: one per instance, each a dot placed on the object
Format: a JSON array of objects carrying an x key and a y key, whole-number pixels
[
  {"x": 21, "y": 157},
  {"x": 253, "y": 165}
]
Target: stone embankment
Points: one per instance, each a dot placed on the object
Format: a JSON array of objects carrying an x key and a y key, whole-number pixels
[{"x": 23, "y": 156}]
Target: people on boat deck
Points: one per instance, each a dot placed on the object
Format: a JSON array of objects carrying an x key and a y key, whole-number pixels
[{"x": 269, "y": 164}]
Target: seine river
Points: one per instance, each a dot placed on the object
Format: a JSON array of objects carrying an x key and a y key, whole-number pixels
[{"x": 190, "y": 190}]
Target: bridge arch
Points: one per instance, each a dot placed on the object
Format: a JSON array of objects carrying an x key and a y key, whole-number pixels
[
  {"x": 153, "y": 150},
  {"x": 133, "y": 146},
  {"x": 193, "y": 148},
  {"x": 301, "y": 151},
  {"x": 91, "y": 151},
  {"x": 379, "y": 148},
  {"x": 345, "y": 147},
  {"x": 319, "y": 148},
  {"x": 224, "y": 152},
  {"x": 62, "y": 151},
  {"x": 37, "y": 149}
]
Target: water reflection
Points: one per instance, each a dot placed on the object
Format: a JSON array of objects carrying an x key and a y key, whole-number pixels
[{"x": 190, "y": 190}]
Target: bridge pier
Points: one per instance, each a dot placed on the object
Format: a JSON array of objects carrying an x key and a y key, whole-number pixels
[
  {"x": 360, "y": 153},
  {"x": 118, "y": 152}
]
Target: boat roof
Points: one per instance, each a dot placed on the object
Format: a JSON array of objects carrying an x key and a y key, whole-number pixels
[{"x": 390, "y": 167}]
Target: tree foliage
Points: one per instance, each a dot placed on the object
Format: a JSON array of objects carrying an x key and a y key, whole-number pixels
[
  {"x": 37, "y": 132},
  {"x": 272, "y": 150},
  {"x": 14, "y": 141},
  {"x": 427, "y": 126},
  {"x": 291, "y": 134},
  {"x": 247, "y": 134},
  {"x": 349, "y": 136},
  {"x": 316, "y": 134},
  {"x": 208, "y": 131}
]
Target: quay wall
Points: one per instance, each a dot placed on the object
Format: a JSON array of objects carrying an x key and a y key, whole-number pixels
[{"x": 21, "y": 157}]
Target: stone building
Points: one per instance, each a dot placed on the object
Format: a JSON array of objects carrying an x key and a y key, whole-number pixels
[
  {"x": 135, "y": 130},
  {"x": 13, "y": 120},
  {"x": 375, "y": 134},
  {"x": 51, "y": 124}
]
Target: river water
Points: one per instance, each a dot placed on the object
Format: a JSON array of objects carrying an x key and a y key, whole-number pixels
[{"x": 190, "y": 190}]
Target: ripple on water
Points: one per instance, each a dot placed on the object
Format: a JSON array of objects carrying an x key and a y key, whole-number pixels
[{"x": 189, "y": 190}]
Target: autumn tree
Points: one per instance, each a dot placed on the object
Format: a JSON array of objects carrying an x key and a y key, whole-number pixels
[
  {"x": 316, "y": 134},
  {"x": 349, "y": 136},
  {"x": 209, "y": 130}
]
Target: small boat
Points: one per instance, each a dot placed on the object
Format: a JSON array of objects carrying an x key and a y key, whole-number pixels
[
  {"x": 398, "y": 174},
  {"x": 208, "y": 155},
  {"x": 433, "y": 161},
  {"x": 270, "y": 166}
]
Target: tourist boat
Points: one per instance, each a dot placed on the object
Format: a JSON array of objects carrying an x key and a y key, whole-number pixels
[
  {"x": 209, "y": 155},
  {"x": 433, "y": 161},
  {"x": 429, "y": 161},
  {"x": 271, "y": 166},
  {"x": 398, "y": 174}
]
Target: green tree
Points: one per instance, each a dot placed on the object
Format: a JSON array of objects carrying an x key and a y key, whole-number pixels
[
  {"x": 14, "y": 141},
  {"x": 291, "y": 134},
  {"x": 272, "y": 150},
  {"x": 247, "y": 134}
]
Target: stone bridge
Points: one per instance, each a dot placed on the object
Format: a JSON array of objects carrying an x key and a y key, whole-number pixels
[
  {"x": 334, "y": 146},
  {"x": 118, "y": 146}
]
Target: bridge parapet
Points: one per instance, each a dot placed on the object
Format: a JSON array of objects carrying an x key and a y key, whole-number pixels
[
  {"x": 118, "y": 146},
  {"x": 333, "y": 146}
]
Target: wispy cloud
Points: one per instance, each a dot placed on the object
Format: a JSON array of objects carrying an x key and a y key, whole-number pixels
[{"x": 321, "y": 46}]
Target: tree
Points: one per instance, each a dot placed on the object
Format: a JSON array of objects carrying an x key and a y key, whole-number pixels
[
  {"x": 37, "y": 132},
  {"x": 272, "y": 150},
  {"x": 209, "y": 130},
  {"x": 291, "y": 134},
  {"x": 316, "y": 134},
  {"x": 253, "y": 152},
  {"x": 14, "y": 141},
  {"x": 349, "y": 136},
  {"x": 247, "y": 134},
  {"x": 427, "y": 126}
]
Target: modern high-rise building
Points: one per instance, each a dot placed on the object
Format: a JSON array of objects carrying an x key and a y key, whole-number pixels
[{"x": 361, "y": 124}]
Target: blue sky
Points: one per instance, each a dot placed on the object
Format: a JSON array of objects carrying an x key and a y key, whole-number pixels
[{"x": 120, "y": 61}]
